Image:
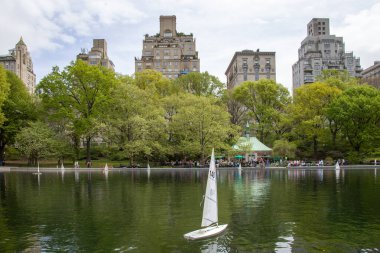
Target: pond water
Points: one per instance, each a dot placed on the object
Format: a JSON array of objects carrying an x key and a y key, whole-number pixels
[{"x": 273, "y": 210}]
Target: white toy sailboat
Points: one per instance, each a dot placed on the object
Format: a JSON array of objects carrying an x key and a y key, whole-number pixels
[
  {"x": 105, "y": 171},
  {"x": 210, "y": 208},
  {"x": 337, "y": 167},
  {"x": 38, "y": 170}
]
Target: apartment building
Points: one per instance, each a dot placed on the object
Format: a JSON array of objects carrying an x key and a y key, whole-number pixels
[
  {"x": 19, "y": 61},
  {"x": 249, "y": 65},
  {"x": 169, "y": 52}
]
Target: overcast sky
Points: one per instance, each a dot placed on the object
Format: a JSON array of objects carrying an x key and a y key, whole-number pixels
[{"x": 56, "y": 30}]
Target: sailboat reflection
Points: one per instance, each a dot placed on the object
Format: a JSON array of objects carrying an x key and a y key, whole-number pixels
[
  {"x": 76, "y": 176},
  {"x": 337, "y": 175},
  {"x": 285, "y": 245},
  {"x": 285, "y": 241},
  {"x": 320, "y": 174},
  {"x": 39, "y": 179},
  {"x": 210, "y": 248}
]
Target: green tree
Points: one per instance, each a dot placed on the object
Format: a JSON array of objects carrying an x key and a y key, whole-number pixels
[
  {"x": 308, "y": 117},
  {"x": 266, "y": 101},
  {"x": 37, "y": 141},
  {"x": 235, "y": 108},
  {"x": 4, "y": 89},
  {"x": 136, "y": 123},
  {"x": 155, "y": 82},
  {"x": 338, "y": 78},
  {"x": 201, "y": 84},
  {"x": 283, "y": 148},
  {"x": 78, "y": 95},
  {"x": 357, "y": 110},
  {"x": 200, "y": 124},
  {"x": 19, "y": 109}
]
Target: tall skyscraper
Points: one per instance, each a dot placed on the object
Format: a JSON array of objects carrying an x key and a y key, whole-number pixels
[
  {"x": 169, "y": 52},
  {"x": 97, "y": 55},
  {"x": 320, "y": 50},
  {"x": 249, "y": 65},
  {"x": 19, "y": 61}
]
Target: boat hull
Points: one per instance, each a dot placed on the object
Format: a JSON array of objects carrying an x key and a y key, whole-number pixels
[{"x": 205, "y": 232}]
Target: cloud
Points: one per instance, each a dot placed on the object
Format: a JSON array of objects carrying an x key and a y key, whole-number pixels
[
  {"x": 55, "y": 30},
  {"x": 47, "y": 25},
  {"x": 361, "y": 33}
]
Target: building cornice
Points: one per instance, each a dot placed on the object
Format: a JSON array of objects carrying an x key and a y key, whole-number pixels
[{"x": 248, "y": 53}]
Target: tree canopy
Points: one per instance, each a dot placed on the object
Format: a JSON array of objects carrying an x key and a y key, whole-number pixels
[
  {"x": 265, "y": 101},
  {"x": 4, "y": 89},
  {"x": 357, "y": 110},
  {"x": 79, "y": 95},
  {"x": 19, "y": 108}
]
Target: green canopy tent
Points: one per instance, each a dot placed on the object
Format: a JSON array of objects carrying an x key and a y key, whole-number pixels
[{"x": 249, "y": 145}]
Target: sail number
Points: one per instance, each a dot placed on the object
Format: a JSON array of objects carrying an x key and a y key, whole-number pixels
[{"x": 212, "y": 174}]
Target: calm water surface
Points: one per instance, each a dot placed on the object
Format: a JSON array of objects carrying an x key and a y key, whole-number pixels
[{"x": 272, "y": 210}]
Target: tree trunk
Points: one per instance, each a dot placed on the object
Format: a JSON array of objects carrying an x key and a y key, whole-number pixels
[
  {"x": 315, "y": 147},
  {"x": 76, "y": 141},
  {"x": 334, "y": 139},
  {"x": 88, "y": 147},
  {"x": 131, "y": 161},
  {"x": 2, "y": 152}
]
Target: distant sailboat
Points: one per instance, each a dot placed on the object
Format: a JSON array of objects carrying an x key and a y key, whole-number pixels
[
  {"x": 148, "y": 170},
  {"x": 210, "y": 208},
  {"x": 105, "y": 170},
  {"x": 38, "y": 170},
  {"x": 62, "y": 167},
  {"x": 337, "y": 167}
]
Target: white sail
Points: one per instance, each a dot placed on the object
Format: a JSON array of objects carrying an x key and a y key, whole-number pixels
[
  {"x": 106, "y": 167},
  {"x": 337, "y": 167},
  {"x": 210, "y": 207}
]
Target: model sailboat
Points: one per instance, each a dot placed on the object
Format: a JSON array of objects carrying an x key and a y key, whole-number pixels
[
  {"x": 38, "y": 170},
  {"x": 210, "y": 208}
]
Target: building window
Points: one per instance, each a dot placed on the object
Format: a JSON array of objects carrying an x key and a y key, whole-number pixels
[{"x": 168, "y": 34}]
